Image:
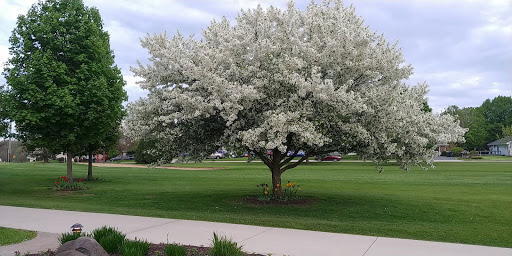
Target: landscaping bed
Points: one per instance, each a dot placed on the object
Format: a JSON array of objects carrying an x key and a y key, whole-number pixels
[{"x": 157, "y": 250}]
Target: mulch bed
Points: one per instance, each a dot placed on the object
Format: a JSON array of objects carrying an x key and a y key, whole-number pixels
[{"x": 297, "y": 202}]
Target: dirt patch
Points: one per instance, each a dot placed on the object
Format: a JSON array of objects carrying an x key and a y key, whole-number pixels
[
  {"x": 298, "y": 202},
  {"x": 191, "y": 168},
  {"x": 159, "y": 167}
]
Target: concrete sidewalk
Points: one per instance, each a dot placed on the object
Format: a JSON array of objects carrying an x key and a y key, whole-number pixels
[{"x": 264, "y": 240}]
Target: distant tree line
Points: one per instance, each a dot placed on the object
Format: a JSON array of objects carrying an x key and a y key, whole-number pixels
[{"x": 487, "y": 123}]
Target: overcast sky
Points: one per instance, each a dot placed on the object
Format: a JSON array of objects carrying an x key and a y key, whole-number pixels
[{"x": 462, "y": 49}]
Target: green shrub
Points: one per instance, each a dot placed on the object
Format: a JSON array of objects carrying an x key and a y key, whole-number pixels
[
  {"x": 222, "y": 246},
  {"x": 69, "y": 236},
  {"x": 175, "y": 250},
  {"x": 109, "y": 238},
  {"x": 135, "y": 248},
  {"x": 474, "y": 153},
  {"x": 476, "y": 157},
  {"x": 457, "y": 151}
]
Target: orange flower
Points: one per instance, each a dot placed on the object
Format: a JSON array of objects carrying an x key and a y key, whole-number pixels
[
  {"x": 294, "y": 183},
  {"x": 266, "y": 192},
  {"x": 289, "y": 185},
  {"x": 275, "y": 189},
  {"x": 278, "y": 185},
  {"x": 268, "y": 189},
  {"x": 300, "y": 188}
]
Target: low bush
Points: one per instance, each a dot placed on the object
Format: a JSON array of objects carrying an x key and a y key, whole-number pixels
[
  {"x": 222, "y": 246},
  {"x": 476, "y": 157},
  {"x": 109, "y": 238},
  {"x": 69, "y": 236},
  {"x": 134, "y": 248},
  {"x": 457, "y": 151},
  {"x": 175, "y": 250}
]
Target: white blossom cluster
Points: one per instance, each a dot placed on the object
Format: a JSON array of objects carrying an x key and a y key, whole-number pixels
[{"x": 316, "y": 80}]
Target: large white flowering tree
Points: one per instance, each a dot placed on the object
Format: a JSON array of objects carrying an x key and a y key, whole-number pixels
[{"x": 316, "y": 80}]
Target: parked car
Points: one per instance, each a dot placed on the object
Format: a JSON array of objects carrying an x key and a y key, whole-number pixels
[
  {"x": 331, "y": 158},
  {"x": 245, "y": 154},
  {"x": 218, "y": 155},
  {"x": 299, "y": 154},
  {"x": 119, "y": 157}
]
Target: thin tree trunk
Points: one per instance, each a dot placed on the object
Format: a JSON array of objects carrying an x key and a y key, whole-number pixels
[
  {"x": 45, "y": 159},
  {"x": 70, "y": 165},
  {"x": 89, "y": 166}
]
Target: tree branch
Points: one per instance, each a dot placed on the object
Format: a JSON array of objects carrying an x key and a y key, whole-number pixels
[
  {"x": 308, "y": 153},
  {"x": 289, "y": 158},
  {"x": 263, "y": 158}
]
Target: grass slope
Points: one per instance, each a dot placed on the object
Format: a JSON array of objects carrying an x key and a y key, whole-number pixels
[
  {"x": 13, "y": 236},
  {"x": 456, "y": 202}
]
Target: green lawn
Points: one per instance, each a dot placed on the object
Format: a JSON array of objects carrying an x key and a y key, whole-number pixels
[
  {"x": 492, "y": 158},
  {"x": 13, "y": 236},
  {"x": 464, "y": 202}
]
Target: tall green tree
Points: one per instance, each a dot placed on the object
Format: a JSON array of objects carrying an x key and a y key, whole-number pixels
[
  {"x": 498, "y": 114},
  {"x": 65, "y": 91},
  {"x": 473, "y": 119},
  {"x": 4, "y": 124},
  {"x": 486, "y": 123}
]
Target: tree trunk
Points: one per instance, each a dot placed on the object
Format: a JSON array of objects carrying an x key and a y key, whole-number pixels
[
  {"x": 69, "y": 165},
  {"x": 89, "y": 166},
  {"x": 45, "y": 159},
  {"x": 276, "y": 181}
]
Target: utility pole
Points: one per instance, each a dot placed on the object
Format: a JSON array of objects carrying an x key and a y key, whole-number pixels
[{"x": 9, "y": 147}]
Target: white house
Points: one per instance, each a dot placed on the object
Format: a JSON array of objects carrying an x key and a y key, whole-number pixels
[{"x": 501, "y": 147}]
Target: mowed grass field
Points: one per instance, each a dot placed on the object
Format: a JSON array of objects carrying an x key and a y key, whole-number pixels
[{"x": 464, "y": 202}]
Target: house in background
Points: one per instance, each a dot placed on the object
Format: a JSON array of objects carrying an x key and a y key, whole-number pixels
[
  {"x": 442, "y": 148},
  {"x": 501, "y": 147}
]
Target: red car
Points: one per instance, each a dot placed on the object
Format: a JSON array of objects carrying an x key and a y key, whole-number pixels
[{"x": 332, "y": 158}]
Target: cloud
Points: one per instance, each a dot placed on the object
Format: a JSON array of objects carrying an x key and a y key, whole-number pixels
[
  {"x": 463, "y": 50},
  {"x": 132, "y": 88}
]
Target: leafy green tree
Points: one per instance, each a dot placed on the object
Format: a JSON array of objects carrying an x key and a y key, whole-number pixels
[
  {"x": 498, "y": 114},
  {"x": 507, "y": 131},
  {"x": 65, "y": 92},
  {"x": 473, "y": 119},
  {"x": 104, "y": 142},
  {"x": 4, "y": 124}
]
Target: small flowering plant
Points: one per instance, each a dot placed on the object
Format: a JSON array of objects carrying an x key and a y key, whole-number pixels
[
  {"x": 266, "y": 194},
  {"x": 289, "y": 192},
  {"x": 63, "y": 183}
]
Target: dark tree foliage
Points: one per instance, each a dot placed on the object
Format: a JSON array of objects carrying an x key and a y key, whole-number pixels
[
  {"x": 65, "y": 92},
  {"x": 4, "y": 124},
  {"x": 144, "y": 153},
  {"x": 486, "y": 123}
]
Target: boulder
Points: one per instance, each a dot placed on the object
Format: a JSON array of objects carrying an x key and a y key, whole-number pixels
[{"x": 80, "y": 247}]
